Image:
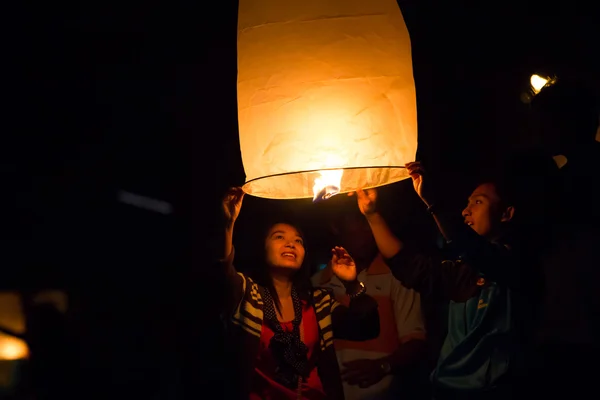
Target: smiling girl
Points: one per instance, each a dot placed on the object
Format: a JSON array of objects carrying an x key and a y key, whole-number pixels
[{"x": 282, "y": 330}]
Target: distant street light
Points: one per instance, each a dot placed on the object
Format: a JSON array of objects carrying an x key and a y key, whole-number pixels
[{"x": 537, "y": 83}]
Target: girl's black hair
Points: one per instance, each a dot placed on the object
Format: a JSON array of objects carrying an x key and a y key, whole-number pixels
[{"x": 300, "y": 280}]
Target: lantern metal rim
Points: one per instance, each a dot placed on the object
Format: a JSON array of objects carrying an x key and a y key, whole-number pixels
[
  {"x": 324, "y": 169},
  {"x": 291, "y": 197}
]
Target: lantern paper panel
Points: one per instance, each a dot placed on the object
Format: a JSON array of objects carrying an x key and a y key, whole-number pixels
[{"x": 325, "y": 93}]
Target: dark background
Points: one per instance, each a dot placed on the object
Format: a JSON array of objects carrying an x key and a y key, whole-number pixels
[{"x": 101, "y": 97}]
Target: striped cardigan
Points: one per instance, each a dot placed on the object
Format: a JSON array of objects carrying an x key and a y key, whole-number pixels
[{"x": 358, "y": 321}]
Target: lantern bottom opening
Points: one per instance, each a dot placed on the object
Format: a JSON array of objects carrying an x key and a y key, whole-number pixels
[{"x": 299, "y": 185}]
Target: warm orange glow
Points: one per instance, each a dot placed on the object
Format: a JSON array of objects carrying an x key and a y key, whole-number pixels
[
  {"x": 11, "y": 314},
  {"x": 324, "y": 85},
  {"x": 12, "y": 348},
  {"x": 327, "y": 184},
  {"x": 12, "y": 318}
]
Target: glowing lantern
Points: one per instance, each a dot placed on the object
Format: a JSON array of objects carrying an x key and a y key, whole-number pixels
[
  {"x": 326, "y": 96},
  {"x": 11, "y": 317},
  {"x": 12, "y": 348}
]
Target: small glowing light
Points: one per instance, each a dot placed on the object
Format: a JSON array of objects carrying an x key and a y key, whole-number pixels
[
  {"x": 327, "y": 184},
  {"x": 538, "y": 83},
  {"x": 12, "y": 348}
]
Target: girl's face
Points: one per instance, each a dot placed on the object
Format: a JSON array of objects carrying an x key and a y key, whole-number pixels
[{"x": 284, "y": 247}]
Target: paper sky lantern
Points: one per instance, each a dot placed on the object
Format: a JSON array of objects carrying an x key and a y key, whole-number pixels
[{"x": 326, "y": 96}]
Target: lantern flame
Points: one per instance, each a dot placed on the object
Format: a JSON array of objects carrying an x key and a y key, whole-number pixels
[{"x": 327, "y": 184}]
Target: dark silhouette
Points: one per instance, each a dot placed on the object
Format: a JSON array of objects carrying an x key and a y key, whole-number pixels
[{"x": 566, "y": 117}]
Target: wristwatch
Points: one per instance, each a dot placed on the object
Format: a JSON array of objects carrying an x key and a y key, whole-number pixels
[
  {"x": 386, "y": 367},
  {"x": 362, "y": 289}
]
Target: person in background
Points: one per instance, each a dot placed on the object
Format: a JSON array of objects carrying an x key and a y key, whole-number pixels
[
  {"x": 281, "y": 330},
  {"x": 566, "y": 117},
  {"x": 487, "y": 286},
  {"x": 369, "y": 368}
]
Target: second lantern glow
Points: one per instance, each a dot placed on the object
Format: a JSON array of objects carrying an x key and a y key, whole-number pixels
[{"x": 326, "y": 96}]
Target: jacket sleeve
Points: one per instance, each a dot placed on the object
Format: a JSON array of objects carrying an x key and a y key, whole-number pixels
[
  {"x": 497, "y": 262},
  {"x": 359, "y": 321},
  {"x": 430, "y": 275}
]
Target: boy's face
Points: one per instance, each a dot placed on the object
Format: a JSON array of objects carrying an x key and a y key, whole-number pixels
[{"x": 484, "y": 212}]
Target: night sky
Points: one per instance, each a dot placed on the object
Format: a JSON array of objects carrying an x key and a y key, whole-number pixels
[{"x": 142, "y": 97}]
